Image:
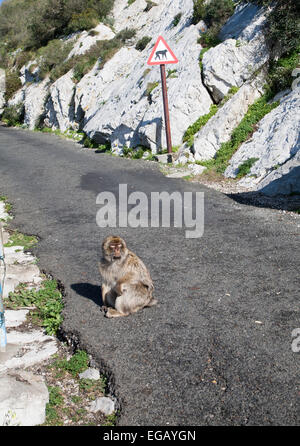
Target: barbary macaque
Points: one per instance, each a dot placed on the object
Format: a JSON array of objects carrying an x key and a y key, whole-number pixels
[{"x": 126, "y": 282}]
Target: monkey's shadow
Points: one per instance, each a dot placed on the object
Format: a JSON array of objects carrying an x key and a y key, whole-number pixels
[{"x": 89, "y": 291}]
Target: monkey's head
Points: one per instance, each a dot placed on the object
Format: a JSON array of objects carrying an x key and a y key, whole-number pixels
[{"x": 114, "y": 248}]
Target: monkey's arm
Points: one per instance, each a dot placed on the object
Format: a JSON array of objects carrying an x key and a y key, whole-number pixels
[
  {"x": 121, "y": 283},
  {"x": 104, "y": 290}
]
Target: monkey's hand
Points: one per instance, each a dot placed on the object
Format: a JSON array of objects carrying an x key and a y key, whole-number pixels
[
  {"x": 120, "y": 288},
  {"x": 122, "y": 283},
  {"x": 103, "y": 309}
]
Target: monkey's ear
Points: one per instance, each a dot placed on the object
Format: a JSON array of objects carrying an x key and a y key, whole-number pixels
[{"x": 148, "y": 285}]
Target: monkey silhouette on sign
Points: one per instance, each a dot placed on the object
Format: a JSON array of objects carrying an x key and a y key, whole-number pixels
[{"x": 162, "y": 53}]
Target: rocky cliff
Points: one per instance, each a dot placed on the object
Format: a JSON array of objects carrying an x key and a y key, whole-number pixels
[{"x": 119, "y": 101}]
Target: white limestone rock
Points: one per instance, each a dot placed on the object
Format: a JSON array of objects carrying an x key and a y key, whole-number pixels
[
  {"x": 90, "y": 373},
  {"x": 276, "y": 141},
  {"x": 29, "y": 72},
  {"x": 60, "y": 104},
  {"x": 196, "y": 169},
  {"x": 220, "y": 126},
  {"x": 18, "y": 98},
  {"x": 248, "y": 20},
  {"x": 16, "y": 255},
  {"x": 23, "y": 399},
  {"x": 185, "y": 156},
  {"x": 88, "y": 38},
  {"x": 234, "y": 61},
  {"x": 14, "y": 318},
  {"x": 27, "y": 349},
  {"x": 34, "y": 102},
  {"x": 283, "y": 181},
  {"x": 102, "y": 404}
]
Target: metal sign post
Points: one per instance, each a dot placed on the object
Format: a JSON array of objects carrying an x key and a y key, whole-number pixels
[
  {"x": 162, "y": 55},
  {"x": 166, "y": 108},
  {"x": 3, "y": 338}
]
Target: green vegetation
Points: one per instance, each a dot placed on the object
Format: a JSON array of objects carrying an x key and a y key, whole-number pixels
[
  {"x": 18, "y": 239},
  {"x": 56, "y": 401},
  {"x": 283, "y": 27},
  {"x": 63, "y": 403},
  {"x": 30, "y": 24},
  {"x": 12, "y": 83},
  {"x": 172, "y": 74},
  {"x": 197, "y": 125},
  {"x": 13, "y": 115},
  {"x": 47, "y": 300},
  {"x": 176, "y": 19},
  {"x": 52, "y": 55},
  {"x": 241, "y": 133},
  {"x": 194, "y": 128},
  {"x": 280, "y": 71},
  {"x": 150, "y": 87},
  {"x": 214, "y": 13},
  {"x": 36, "y": 28},
  {"x": 142, "y": 43},
  {"x": 7, "y": 206},
  {"x": 150, "y": 5},
  {"x": 136, "y": 152},
  {"x": 245, "y": 167},
  {"x": 75, "y": 365}
]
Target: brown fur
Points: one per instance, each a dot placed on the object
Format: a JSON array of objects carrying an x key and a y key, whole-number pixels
[{"x": 127, "y": 285}]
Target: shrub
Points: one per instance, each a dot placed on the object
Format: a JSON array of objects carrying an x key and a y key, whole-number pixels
[
  {"x": 125, "y": 34},
  {"x": 88, "y": 142},
  {"x": 280, "y": 72},
  {"x": 283, "y": 26},
  {"x": 13, "y": 115},
  {"x": 176, "y": 19},
  {"x": 47, "y": 301},
  {"x": 83, "y": 21},
  {"x": 198, "y": 11},
  {"x": 32, "y": 24},
  {"x": 243, "y": 131},
  {"x": 142, "y": 43},
  {"x": 210, "y": 38},
  {"x": 150, "y": 5},
  {"x": 51, "y": 55},
  {"x": 194, "y": 128},
  {"x": 246, "y": 166},
  {"x": 217, "y": 12},
  {"x": 22, "y": 58},
  {"x": 12, "y": 83}
]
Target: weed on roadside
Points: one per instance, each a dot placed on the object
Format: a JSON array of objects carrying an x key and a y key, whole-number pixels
[
  {"x": 18, "y": 239},
  {"x": 47, "y": 302}
]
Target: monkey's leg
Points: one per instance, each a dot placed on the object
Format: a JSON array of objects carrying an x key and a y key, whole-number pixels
[
  {"x": 151, "y": 303},
  {"x": 111, "y": 312},
  {"x": 105, "y": 289}
]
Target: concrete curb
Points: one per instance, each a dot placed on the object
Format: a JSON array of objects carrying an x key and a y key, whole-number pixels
[{"x": 23, "y": 395}]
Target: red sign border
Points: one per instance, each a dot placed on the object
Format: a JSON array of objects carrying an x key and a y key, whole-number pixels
[{"x": 160, "y": 38}]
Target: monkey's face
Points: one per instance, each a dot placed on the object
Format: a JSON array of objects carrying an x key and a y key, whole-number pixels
[{"x": 114, "y": 248}]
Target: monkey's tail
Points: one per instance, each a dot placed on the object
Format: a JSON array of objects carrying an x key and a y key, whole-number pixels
[{"x": 152, "y": 302}]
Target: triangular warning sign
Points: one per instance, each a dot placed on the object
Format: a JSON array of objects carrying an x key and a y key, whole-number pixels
[{"x": 161, "y": 53}]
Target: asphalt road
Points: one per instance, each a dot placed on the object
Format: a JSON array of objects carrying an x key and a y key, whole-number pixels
[{"x": 217, "y": 348}]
